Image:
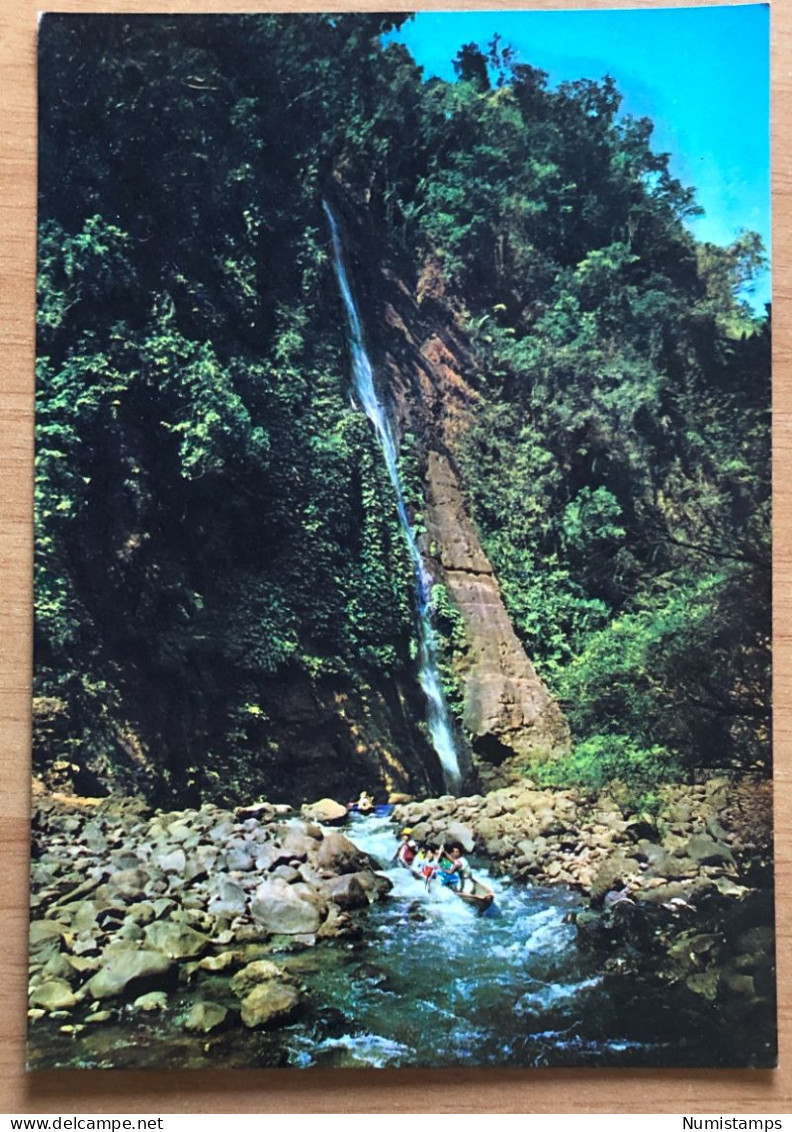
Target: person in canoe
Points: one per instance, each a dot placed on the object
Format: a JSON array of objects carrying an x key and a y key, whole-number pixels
[
  {"x": 365, "y": 804},
  {"x": 426, "y": 862},
  {"x": 453, "y": 868},
  {"x": 407, "y": 851}
]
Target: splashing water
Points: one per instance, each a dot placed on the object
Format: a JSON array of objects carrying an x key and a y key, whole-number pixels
[{"x": 438, "y": 718}]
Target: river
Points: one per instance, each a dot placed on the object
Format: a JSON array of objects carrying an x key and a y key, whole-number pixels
[
  {"x": 434, "y": 984},
  {"x": 426, "y": 983}
]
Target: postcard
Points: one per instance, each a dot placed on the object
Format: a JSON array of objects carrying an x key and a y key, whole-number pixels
[{"x": 402, "y": 576}]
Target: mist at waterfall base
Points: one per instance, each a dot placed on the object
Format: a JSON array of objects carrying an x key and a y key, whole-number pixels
[{"x": 438, "y": 718}]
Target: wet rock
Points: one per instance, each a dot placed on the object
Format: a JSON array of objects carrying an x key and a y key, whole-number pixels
[
  {"x": 741, "y": 984},
  {"x": 704, "y": 984},
  {"x": 125, "y": 971},
  {"x": 270, "y": 1004},
  {"x": 203, "y": 1017},
  {"x": 222, "y": 962},
  {"x": 151, "y": 1003},
  {"x": 99, "y": 1016},
  {"x": 337, "y": 924},
  {"x": 259, "y": 971}
]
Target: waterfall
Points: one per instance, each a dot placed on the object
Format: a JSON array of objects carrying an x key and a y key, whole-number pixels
[{"x": 437, "y": 715}]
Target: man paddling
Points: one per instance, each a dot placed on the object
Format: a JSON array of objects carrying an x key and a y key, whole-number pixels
[{"x": 454, "y": 869}]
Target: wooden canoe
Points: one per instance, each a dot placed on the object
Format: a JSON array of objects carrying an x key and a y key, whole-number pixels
[{"x": 479, "y": 898}]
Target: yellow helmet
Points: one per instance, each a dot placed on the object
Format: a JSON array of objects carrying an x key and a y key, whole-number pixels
[{"x": 406, "y": 833}]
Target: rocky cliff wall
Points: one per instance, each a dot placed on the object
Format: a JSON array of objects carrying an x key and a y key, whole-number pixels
[{"x": 508, "y": 712}]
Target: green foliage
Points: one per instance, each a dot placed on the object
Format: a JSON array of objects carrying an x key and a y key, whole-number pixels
[
  {"x": 449, "y": 627},
  {"x": 212, "y": 515},
  {"x": 615, "y": 762}
]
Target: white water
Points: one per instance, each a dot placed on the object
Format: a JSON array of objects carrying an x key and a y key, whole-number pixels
[
  {"x": 433, "y": 983},
  {"x": 437, "y": 716}
]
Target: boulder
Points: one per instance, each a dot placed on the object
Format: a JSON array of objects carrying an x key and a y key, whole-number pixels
[
  {"x": 287, "y": 873},
  {"x": 129, "y": 884},
  {"x": 463, "y": 834},
  {"x": 296, "y": 844},
  {"x": 203, "y": 1017},
  {"x": 327, "y": 811},
  {"x": 271, "y": 1003},
  {"x": 220, "y": 962},
  {"x": 487, "y": 829},
  {"x": 348, "y": 892},
  {"x": 53, "y": 994},
  {"x": 281, "y": 910},
  {"x": 178, "y": 941},
  {"x": 259, "y": 971},
  {"x": 227, "y": 897},
  {"x": 705, "y": 851},
  {"x": 338, "y": 854},
  {"x": 126, "y": 970},
  {"x": 44, "y": 933},
  {"x": 174, "y": 861},
  {"x": 151, "y": 1003},
  {"x": 269, "y": 856},
  {"x": 239, "y": 856}
]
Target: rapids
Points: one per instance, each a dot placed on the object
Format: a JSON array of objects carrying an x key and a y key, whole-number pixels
[{"x": 434, "y": 984}]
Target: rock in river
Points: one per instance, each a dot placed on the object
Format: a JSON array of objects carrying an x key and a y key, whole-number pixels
[
  {"x": 205, "y": 1016},
  {"x": 270, "y": 1004},
  {"x": 123, "y": 970}
]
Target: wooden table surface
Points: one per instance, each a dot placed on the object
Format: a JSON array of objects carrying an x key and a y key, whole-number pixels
[{"x": 318, "y": 1091}]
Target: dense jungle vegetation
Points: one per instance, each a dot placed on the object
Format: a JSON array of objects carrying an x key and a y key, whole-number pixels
[{"x": 213, "y": 517}]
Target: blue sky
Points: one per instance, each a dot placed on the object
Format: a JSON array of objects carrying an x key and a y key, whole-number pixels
[{"x": 701, "y": 75}]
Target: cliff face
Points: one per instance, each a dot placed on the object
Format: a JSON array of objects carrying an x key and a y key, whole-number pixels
[
  {"x": 507, "y": 709},
  {"x": 508, "y": 712}
]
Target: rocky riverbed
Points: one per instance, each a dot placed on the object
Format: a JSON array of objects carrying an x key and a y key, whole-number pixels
[
  {"x": 126, "y": 906},
  {"x": 199, "y": 931}
]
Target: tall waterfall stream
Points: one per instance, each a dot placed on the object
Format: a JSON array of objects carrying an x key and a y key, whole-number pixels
[{"x": 438, "y": 718}]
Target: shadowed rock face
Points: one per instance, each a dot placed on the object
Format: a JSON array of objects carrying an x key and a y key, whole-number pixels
[{"x": 507, "y": 708}]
